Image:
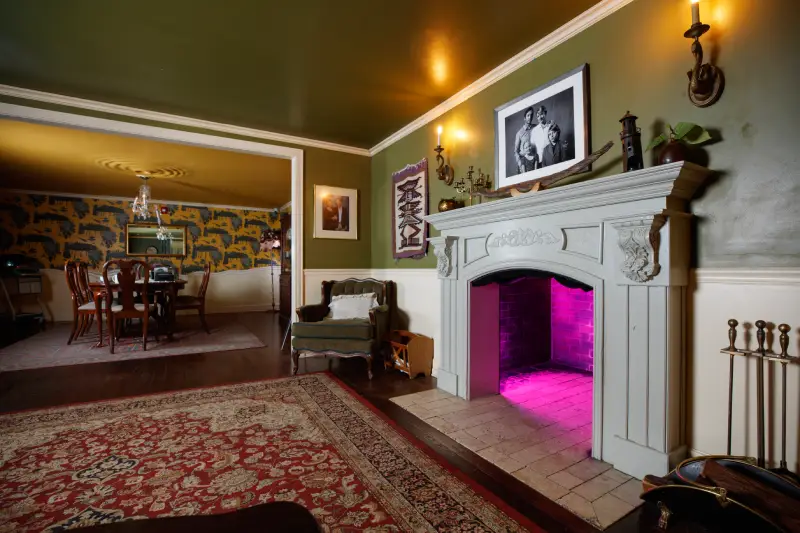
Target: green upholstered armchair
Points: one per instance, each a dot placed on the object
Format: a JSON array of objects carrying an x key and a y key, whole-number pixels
[{"x": 316, "y": 335}]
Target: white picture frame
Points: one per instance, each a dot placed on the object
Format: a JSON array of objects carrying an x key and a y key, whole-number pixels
[
  {"x": 566, "y": 103},
  {"x": 335, "y": 213}
]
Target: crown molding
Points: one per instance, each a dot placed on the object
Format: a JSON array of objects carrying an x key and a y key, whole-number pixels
[
  {"x": 125, "y": 199},
  {"x": 156, "y": 116},
  {"x": 572, "y": 28}
]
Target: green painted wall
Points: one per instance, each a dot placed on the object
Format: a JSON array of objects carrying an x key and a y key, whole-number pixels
[
  {"x": 749, "y": 215},
  {"x": 322, "y": 167}
]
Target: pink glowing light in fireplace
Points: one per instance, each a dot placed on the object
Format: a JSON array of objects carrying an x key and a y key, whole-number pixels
[
  {"x": 569, "y": 332},
  {"x": 572, "y": 326}
]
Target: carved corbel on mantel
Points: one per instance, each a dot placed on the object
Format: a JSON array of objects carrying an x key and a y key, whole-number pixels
[
  {"x": 639, "y": 240},
  {"x": 446, "y": 250}
]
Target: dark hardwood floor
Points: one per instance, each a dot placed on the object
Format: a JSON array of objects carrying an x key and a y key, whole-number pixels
[{"x": 56, "y": 386}]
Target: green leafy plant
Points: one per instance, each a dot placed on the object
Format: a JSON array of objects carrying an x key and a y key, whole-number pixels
[{"x": 685, "y": 132}]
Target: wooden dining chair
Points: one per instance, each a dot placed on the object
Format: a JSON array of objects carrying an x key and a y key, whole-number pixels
[
  {"x": 83, "y": 306},
  {"x": 127, "y": 305},
  {"x": 198, "y": 303}
]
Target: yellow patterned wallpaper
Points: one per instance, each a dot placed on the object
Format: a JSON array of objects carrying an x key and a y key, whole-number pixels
[{"x": 51, "y": 229}]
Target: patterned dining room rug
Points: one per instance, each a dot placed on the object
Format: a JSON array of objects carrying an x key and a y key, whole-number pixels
[
  {"x": 49, "y": 348},
  {"x": 306, "y": 439}
]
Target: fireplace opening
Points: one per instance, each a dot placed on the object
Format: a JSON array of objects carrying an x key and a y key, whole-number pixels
[{"x": 539, "y": 332}]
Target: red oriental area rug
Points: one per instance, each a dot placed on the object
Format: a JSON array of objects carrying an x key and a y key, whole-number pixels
[{"x": 305, "y": 439}]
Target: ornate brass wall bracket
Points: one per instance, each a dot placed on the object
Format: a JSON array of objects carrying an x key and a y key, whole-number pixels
[
  {"x": 445, "y": 172},
  {"x": 706, "y": 82}
]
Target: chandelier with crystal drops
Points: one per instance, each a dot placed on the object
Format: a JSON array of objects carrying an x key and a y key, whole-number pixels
[{"x": 141, "y": 204}]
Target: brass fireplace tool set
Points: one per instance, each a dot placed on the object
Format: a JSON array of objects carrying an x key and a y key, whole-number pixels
[
  {"x": 762, "y": 354},
  {"x": 732, "y": 493}
]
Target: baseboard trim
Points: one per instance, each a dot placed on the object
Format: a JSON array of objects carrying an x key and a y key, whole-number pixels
[
  {"x": 252, "y": 308},
  {"x": 747, "y": 276}
]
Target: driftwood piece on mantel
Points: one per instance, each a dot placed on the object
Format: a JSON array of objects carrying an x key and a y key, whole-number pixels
[{"x": 538, "y": 184}]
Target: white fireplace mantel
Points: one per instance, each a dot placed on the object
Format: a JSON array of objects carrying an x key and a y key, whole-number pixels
[{"x": 627, "y": 236}]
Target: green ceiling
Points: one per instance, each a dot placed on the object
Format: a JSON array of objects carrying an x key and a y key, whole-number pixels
[{"x": 347, "y": 71}]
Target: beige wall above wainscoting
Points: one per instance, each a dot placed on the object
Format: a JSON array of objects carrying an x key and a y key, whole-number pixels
[{"x": 229, "y": 291}]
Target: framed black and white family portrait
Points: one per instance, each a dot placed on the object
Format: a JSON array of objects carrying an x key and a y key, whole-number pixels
[
  {"x": 543, "y": 131},
  {"x": 335, "y": 213}
]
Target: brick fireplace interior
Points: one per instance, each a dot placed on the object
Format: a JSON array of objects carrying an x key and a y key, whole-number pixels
[{"x": 546, "y": 337}]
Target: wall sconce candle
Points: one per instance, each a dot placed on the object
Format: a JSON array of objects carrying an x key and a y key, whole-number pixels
[
  {"x": 445, "y": 172},
  {"x": 706, "y": 81}
]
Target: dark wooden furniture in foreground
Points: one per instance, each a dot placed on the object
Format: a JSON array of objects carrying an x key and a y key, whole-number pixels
[
  {"x": 314, "y": 335},
  {"x": 277, "y": 517},
  {"x": 196, "y": 303},
  {"x": 126, "y": 305},
  {"x": 411, "y": 353}
]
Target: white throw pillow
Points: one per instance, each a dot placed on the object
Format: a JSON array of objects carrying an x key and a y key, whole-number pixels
[{"x": 352, "y": 306}]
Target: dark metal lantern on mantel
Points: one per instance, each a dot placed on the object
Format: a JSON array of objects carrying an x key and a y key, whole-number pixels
[{"x": 631, "y": 136}]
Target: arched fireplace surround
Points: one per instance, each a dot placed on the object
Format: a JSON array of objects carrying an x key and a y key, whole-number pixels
[{"x": 626, "y": 236}]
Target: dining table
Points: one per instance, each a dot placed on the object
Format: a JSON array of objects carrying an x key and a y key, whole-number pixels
[{"x": 169, "y": 287}]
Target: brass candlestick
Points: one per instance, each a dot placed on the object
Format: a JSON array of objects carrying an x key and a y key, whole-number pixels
[{"x": 471, "y": 185}]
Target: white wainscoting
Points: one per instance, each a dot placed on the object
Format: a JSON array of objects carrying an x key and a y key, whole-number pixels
[
  {"x": 714, "y": 296},
  {"x": 229, "y": 291},
  {"x": 772, "y": 295}
]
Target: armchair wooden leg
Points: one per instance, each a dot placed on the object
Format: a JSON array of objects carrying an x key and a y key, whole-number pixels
[
  {"x": 295, "y": 361},
  {"x": 369, "y": 366},
  {"x": 202, "y": 312},
  {"x": 99, "y": 318},
  {"x": 144, "y": 322},
  {"x": 112, "y": 331},
  {"x": 74, "y": 328}
]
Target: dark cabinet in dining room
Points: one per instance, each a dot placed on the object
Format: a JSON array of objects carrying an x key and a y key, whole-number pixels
[{"x": 285, "y": 312}]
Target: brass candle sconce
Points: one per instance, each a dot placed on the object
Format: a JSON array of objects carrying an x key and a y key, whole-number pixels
[
  {"x": 706, "y": 81},
  {"x": 445, "y": 172}
]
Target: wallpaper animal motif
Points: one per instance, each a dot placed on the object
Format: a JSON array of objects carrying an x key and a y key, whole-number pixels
[{"x": 52, "y": 229}]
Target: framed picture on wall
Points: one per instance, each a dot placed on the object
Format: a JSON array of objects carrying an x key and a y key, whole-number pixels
[
  {"x": 335, "y": 213},
  {"x": 543, "y": 131},
  {"x": 409, "y": 205}
]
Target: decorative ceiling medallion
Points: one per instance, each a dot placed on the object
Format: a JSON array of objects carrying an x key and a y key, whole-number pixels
[
  {"x": 131, "y": 167},
  {"x": 522, "y": 237}
]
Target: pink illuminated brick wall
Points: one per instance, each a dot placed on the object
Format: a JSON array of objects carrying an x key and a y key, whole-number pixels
[
  {"x": 572, "y": 326},
  {"x": 524, "y": 323}
]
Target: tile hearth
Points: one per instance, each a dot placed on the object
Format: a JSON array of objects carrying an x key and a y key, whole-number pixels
[{"x": 538, "y": 430}]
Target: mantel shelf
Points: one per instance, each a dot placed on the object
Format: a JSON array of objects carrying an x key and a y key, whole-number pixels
[{"x": 675, "y": 180}]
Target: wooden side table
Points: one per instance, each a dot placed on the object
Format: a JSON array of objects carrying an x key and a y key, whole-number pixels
[{"x": 411, "y": 353}]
